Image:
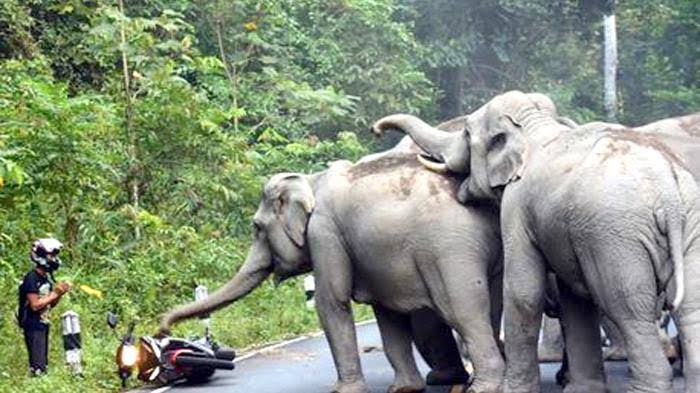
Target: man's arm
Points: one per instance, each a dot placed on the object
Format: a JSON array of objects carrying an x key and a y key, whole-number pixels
[{"x": 36, "y": 303}]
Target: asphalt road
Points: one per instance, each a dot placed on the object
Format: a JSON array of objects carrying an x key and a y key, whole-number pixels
[{"x": 305, "y": 365}]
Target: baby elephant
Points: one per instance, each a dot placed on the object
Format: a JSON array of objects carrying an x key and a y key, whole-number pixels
[{"x": 385, "y": 232}]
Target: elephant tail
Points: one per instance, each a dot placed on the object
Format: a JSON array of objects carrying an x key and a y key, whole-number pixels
[
  {"x": 673, "y": 217},
  {"x": 675, "y": 242}
]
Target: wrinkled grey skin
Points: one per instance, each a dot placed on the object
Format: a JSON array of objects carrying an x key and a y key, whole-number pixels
[
  {"x": 688, "y": 125},
  {"x": 678, "y": 130},
  {"x": 615, "y": 215},
  {"x": 675, "y": 132},
  {"x": 389, "y": 233},
  {"x": 681, "y": 134}
]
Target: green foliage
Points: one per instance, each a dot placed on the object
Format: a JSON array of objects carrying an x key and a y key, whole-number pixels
[
  {"x": 223, "y": 94},
  {"x": 476, "y": 49},
  {"x": 197, "y": 134}
]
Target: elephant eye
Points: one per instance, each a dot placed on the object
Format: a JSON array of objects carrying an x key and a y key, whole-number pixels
[
  {"x": 497, "y": 141},
  {"x": 257, "y": 227}
]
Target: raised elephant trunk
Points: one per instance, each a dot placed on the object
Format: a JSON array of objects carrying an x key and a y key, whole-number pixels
[
  {"x": 449, "y": 149},
  {"x": 254, "y": 271}
]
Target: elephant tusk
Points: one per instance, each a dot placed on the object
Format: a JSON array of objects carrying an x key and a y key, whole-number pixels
[{"x": 438, "y": 167}]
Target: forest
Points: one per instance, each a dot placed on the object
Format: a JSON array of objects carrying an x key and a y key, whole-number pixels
[{"x": 139, "y": 133}]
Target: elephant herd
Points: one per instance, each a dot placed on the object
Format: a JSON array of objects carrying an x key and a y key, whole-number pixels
[{"x": 501, "y": 205}]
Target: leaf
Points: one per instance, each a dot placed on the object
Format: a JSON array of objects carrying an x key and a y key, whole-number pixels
[
  {"x": 268, "y": 60},
  {"x": 92, "y": 291}
]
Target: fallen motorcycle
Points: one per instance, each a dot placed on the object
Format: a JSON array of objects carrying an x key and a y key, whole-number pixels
[{"x": 169, "y": 359}]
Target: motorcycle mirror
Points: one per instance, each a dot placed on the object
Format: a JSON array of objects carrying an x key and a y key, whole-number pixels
[{"x": 112, "y": 320}]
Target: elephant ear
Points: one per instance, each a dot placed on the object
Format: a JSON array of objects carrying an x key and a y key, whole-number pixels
[
  {"x": 506, "y": 153},
  {"x": 296, "y": 202}
]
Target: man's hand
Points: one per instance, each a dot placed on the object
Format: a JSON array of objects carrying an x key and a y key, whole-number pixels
[{"x": 62, "y": 288}]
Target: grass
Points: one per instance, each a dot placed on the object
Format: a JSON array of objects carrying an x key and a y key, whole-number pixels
[{"x": 268, "y": 314}]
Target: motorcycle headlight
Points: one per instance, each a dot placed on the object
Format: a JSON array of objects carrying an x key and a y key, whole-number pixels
[{"x": 129, "y": 356}]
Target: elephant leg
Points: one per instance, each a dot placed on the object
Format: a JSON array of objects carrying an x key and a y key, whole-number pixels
[
  {"x": 579, "y": 319},
  {"x": 650, "y": 370},
  {"x": 689, "y": 342},
  {"x": 687, "y": 320},
  {"x": 496, "y": 296},
  {"x": 523, "y": 296},
  {"x": 395, "y": 329},
  {"x": 616, "y": 350},
  {"x": 333, "y": 277},
  {"x": 551, "y": 345},
  {"x": 465, "y": 303},
  {"x": 624, "y": 285},
  {"x": 437, "y": 345}
]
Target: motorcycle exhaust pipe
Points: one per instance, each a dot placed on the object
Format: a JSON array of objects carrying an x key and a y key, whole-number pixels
[{"x": 196, "y": 361}]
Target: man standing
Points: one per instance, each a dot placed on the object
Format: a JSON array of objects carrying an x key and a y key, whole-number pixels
[{"x": 37, "y": 296}]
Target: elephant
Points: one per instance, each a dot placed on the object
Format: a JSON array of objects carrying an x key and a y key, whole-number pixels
[
  {"x": 386, "y": 232},
  {"x": 688, "y": 125},
  {"x": 675, "y": 132},
  {"x": 615, "y": 214}
]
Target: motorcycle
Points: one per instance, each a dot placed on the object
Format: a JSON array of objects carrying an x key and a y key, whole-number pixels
[{"x": 168, "y": 359}]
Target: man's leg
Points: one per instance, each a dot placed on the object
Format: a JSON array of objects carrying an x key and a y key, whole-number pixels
[
  {"x": 28, "y": 344},
  {"x": 45, "y": 352},
  {"x": 37, "y": 342}
]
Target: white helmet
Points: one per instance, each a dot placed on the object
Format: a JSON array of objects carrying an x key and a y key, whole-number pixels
[{"x": 45, "y": 253}]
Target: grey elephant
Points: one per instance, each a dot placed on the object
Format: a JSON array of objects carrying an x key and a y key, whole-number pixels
[
  {"x": 688, "y": 125},
  {"x": 614, "y": 214},
  {"x": 386, "y": 232},
  {"x": 674, "y": 131}
]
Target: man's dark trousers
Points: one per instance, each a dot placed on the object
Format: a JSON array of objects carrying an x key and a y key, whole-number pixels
[{"x": 37, "y": 341}]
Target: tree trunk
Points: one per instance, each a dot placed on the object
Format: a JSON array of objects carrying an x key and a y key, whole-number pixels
[
  {"x": 610, "y": 60},
  {"x": 128, "y": 129},
  {"x": 230, "y": 68}
]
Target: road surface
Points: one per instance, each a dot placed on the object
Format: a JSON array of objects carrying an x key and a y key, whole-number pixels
[{"x": 305, "y": 365}]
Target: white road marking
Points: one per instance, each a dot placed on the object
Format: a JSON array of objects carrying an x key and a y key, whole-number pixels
[{"x": 163, "y": 389}]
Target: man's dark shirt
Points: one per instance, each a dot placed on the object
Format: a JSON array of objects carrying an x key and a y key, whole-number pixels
[{"x": 33, "y": 283}]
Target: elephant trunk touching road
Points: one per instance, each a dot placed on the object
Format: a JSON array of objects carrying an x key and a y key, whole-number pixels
[{"x": 385, "y": 232}]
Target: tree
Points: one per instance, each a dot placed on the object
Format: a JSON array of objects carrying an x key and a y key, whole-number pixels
[{"x": 610, "y": 62}]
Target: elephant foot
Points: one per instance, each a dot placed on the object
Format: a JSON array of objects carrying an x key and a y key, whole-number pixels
[
  {"x": 405, "y": 389},
  {"x": 351, "y": 387},
  {"x": 450, "y": 376},
  {"x": 485, "y": 387},
  {"x": 614, "y": 353},
  {"x": 407, "y": 385},
  {"x": 589, "y": 387}
]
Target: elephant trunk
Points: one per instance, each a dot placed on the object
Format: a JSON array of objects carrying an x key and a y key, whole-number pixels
[
  {"x": 253, "y": 272},
  {"x": 450, "y": 149}
]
